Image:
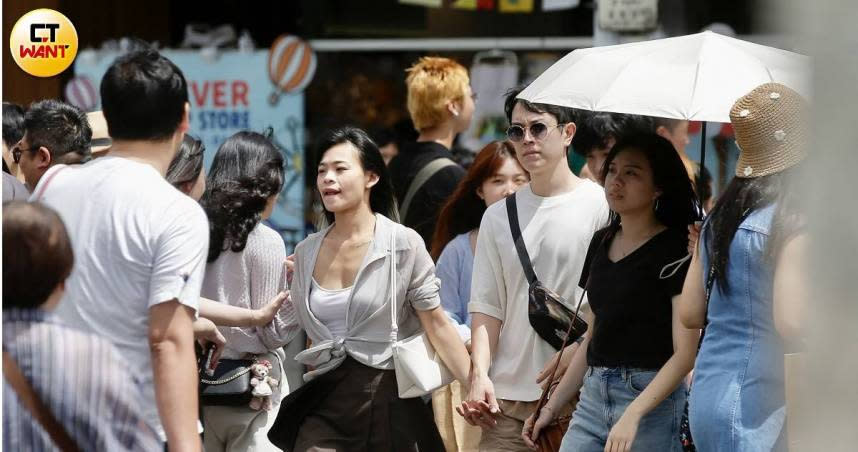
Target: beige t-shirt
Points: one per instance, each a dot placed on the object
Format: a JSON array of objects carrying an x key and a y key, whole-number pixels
[{"x": 557, "y": 231}]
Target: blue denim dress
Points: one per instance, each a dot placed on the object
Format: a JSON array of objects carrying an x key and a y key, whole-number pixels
[{"x": 737, "y": 396}]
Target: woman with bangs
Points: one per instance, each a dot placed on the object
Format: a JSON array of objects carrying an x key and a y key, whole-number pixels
[{"x": 495, "y": 174}]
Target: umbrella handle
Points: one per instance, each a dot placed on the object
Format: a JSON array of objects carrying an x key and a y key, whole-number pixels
[
  {"x": 699, "y": 178},
  {"x": 703, "y": 145}
]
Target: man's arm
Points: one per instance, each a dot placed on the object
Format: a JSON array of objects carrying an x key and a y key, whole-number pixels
[
  {"x": 488, "y": 301},
  {"x": 481, "y": 405},
  {"x": 171, "y": 344}
]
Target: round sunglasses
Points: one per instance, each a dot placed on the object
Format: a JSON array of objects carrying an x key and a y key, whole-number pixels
[{"x": 538, "y": 131}]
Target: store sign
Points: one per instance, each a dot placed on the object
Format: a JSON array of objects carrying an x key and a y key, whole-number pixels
[
  {"x": 628, "y": 16},
  {"x": 230, "y": 92}
]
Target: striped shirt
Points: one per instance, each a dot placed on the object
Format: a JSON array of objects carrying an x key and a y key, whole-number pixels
[{"x": 80, "y": 378}]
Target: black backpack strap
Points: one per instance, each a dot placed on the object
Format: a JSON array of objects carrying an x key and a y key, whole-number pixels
[{"x": 512, "y": 213}]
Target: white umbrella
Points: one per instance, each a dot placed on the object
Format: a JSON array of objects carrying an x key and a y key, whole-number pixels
[{"x": 695, "y": 77}]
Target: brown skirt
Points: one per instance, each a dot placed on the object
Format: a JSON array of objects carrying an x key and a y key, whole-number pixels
[{"x": 354, "y": 408}]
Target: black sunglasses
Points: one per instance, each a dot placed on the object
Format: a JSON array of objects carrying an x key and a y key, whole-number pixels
[
  {"x": 16, "y": 153},
  {"x": 538, "y": 131}
]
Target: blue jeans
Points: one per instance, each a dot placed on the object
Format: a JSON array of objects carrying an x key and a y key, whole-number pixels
[{"x": 605, "y": 395}]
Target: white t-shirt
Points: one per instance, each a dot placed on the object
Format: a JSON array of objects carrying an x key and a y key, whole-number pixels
[
  {"x": 137, "y": 242},
  {"x": 557, "y": 232}
]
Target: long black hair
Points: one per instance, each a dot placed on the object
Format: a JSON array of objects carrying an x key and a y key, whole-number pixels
[
  {"x": 246, "y": 171},
  {"x": 188, "y": 162},
  {"x": 741, "y": 198},
  {"x": 677, "y": 206},
  {"x": 381, "y": 198}
]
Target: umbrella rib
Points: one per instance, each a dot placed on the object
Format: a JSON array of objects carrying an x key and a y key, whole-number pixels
[
  {"x": 697, "y": 71},
  {"x": 693, "y": 90}
]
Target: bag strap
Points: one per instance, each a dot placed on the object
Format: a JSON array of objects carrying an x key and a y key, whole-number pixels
[
  {"x": 421, "y": 178},
  {"x": 546, "y": 393},
  {"x": 710, "y": 281},
  {"x": 523, "y": 257},
  {"x": 31, "y": 401},
  {"x": 394, "y": 325}
]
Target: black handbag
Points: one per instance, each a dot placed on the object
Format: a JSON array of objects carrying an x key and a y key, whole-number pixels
[
  {"x": 546, "y": 310},
  {"x": 229, "y": 385}
]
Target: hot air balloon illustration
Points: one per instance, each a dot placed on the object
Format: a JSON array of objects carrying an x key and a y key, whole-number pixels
[
  {"x": 291, "y": 66},
  {"x": 81, "y": 93}
]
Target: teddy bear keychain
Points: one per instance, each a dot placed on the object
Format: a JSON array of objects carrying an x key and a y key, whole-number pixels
[{"x": 263, "y": 385}]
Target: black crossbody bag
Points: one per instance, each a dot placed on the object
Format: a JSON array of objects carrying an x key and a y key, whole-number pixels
[
  {"x": 550, "y": 318},
  {"x": 229, "y": 385}
]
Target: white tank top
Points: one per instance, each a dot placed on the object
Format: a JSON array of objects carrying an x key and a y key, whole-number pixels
[{"x": 330, "y": 307}]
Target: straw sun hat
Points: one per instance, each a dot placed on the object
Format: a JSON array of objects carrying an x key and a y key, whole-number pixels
[{"x": 771, "y": 130}]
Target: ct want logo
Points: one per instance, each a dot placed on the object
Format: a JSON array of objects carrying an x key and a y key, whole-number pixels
[{"x": 43, "y": 42}]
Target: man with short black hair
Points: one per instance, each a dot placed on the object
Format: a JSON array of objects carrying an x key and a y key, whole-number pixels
[
  {"x": 558, "y": 214},
  {"x": 597, "y": 133},
  {"x": 54, "y": 132},
  {"x": 141, "y": 244}
]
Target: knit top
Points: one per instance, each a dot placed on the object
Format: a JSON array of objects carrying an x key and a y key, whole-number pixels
[{"x": 250, "y": 279}]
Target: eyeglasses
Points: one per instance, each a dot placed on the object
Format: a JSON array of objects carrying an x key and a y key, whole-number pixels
[
  {"x": 538, "y": 131},
  {"x": 17, "y": 151}
]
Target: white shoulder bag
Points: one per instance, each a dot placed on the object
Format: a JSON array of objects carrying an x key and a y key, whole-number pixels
[{"x": 419, "y": 369}]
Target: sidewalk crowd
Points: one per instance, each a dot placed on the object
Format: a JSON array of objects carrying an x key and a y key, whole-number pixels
[{"x": 148, "y": 306}]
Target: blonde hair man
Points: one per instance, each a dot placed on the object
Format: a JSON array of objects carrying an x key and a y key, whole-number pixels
[
  {"x": 438, "y": 89},
  {"x": 441, "y": 104}
]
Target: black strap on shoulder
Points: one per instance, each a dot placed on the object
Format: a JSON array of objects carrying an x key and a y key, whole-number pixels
[
  {"x": 710, "y": 280},
  {"x": 512, "y": 213}
]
